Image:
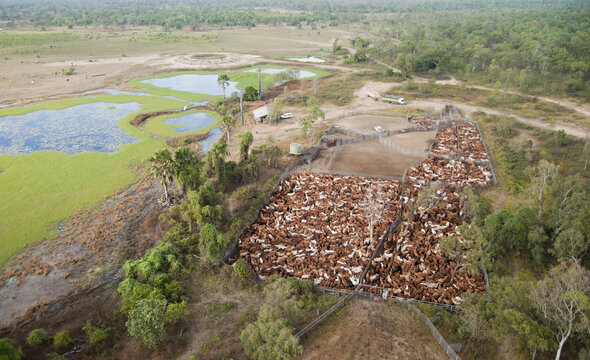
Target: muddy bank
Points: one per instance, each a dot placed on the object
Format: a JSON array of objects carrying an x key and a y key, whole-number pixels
[{"x": 83, "y": 264}]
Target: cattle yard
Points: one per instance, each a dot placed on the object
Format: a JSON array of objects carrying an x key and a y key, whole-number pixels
[{"x": 316, "y": 225}]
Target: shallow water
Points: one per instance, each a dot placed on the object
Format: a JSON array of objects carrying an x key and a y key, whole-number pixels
[
  {"x": 309, "y": 59},
  {"x": 212, "y": 138},
  {"x": 191, "y": 122},
  {"x": 122, "y": 92},
  {"x": 194, "y": 83},
  {"x": 303, "y": 74},
  {"x": 79, "y": 128}
]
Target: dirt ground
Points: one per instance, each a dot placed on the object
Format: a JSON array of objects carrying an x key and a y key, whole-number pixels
[
  {"x": 366, "y": 329},
  {"x": 416, "y": 141},
  {"x": 372, "y": 158},
  {"x": 367, "y": 123}
]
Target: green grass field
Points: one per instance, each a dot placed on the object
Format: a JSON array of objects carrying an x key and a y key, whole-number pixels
[{"x": 43, "y": 188}]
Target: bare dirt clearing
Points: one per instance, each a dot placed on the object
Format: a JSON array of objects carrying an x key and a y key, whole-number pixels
[
  {"x": 372, "y": 330},
  {"x": 372, "y": 158},
  {"x": 367, "y": 123}
]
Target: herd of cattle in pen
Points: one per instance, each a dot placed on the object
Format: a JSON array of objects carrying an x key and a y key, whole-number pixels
[{"x": 316, "y": 226}]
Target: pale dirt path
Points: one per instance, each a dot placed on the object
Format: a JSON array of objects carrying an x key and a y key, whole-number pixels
[{"x": 583, "y": 109}]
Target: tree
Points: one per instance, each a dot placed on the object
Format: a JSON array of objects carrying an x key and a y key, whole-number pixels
[
  {"x": 250, "y": 93},
  {"x": 277, "y": 109},
  {"x": 313, "y": 113},
  {"x": 9, "y": 350},
  {"x": 270, "y": 337},
  {"x": 228, "y": 122},
  {"x": 215, "y": 159},
  {"x": 223, "y": 82},
  {"x": 544, "y": 174},
  {"x": 187, "y": 169},
  {"x": 162, "y": 166},
  {"x": 571, "y": 244},
  {"x": 203, "y": 205},
  {"x": 212, "y": 244},
  {"x": 245, "y": 143},
  {"x": 146, "y": 321},
  {"x": 374, "y": 206},
  {"x": 270, "y": 151},
  {"x": 563, "y": 301}
]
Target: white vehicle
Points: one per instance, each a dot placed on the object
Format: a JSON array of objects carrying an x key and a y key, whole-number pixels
[
  {"x": 379, "y": 129},
  {"x": 286, "y": 116}
]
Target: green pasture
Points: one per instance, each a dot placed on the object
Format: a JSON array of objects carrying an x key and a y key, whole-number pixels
[
  {"x": 157, "y": 125},
  {"x": 43, "y": 188}
]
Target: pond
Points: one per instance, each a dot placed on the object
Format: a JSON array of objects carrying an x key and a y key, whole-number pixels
[
  {"x": 191, "y": 122},
  {"x": 123, "y": 92},
  {"x": 207, "y": 143},
  {"x": 303, "y": 74},
  {"x": 79, "y": 128},
  {"x": 309, "y": 59},
  {"x": 194, "y": 83}
]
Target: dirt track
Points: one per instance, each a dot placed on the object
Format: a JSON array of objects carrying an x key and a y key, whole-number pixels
[{"x": 372, "y": 330}]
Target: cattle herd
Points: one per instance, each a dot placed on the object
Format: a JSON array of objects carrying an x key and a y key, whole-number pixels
[{"x": 315, "y": 226}]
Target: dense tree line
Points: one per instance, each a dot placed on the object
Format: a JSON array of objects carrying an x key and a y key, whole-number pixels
[
  {"x": 524, "y": 48},
  {"x": 197, "y": 13}
]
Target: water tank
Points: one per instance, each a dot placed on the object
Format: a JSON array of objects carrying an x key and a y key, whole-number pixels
[{"x": 295, "y": 149}]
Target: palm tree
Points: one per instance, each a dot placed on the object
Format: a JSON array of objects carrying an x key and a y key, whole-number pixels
[
  {"x": 162, "y": 166},
  {"x": 223, "y": 81},
  {"x": 220, "y": 152},
  {"x": 186, "y": 165},
  {"x": 228, "y": 122}
]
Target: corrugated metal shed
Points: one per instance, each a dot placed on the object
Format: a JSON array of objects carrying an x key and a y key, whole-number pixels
[{"x": 260, "y": 112}]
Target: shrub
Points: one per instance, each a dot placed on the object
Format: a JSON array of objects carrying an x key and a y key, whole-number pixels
[
  {"x": 242, "y": 271},
  {"x": 185, "y": 141},
  {"x": 246, "y": 192},
  {"x": 95, "y": 334},
  {"x": 270, "y": 337},
  {"x": 9, "y": 350},
  {"x": 37, "y": 337},
  {"x": 70, "y": 71},
  {"x": 250, "y": 93},
  {"x": 212, "y": 243},
  {"x": 146, "y": 321},
  {"x": 62, "y": 339},
  {"x": 177, "y": 312}
]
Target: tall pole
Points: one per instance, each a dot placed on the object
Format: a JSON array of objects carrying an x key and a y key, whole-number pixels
[
  {"x": 259, "y": 82},
  {"x": 242, "y": 106}
]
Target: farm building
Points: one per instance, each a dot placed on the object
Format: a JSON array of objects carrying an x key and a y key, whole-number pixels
[{"x": 260, "y": 113}]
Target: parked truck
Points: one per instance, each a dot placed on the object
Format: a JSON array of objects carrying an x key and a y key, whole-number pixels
[
  {"x": 373, "y": 94},
  {"x": 393, "y": 99}
]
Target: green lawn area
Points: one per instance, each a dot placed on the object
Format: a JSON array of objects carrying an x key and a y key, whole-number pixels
[{"x": 43, "y": 188}]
